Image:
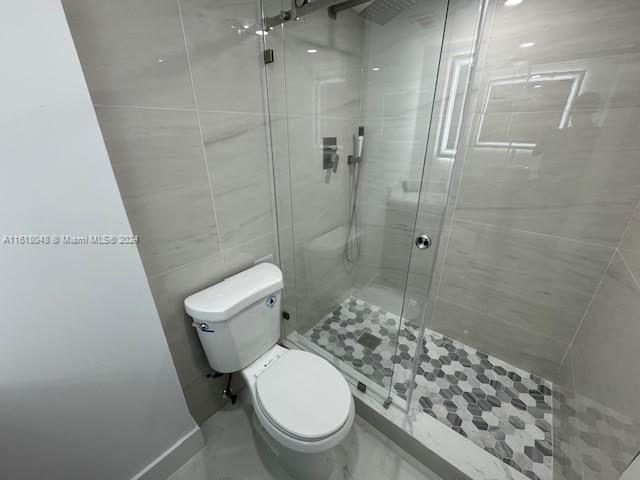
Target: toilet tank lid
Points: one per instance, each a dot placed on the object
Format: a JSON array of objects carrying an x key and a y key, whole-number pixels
[{"x": 225, "y": 299}]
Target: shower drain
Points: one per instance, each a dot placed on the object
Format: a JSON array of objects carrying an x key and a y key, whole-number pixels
[{"x": 369, "y": 340}]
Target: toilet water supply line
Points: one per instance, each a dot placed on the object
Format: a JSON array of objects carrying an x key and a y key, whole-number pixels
[{"x": 352, "y": 248}]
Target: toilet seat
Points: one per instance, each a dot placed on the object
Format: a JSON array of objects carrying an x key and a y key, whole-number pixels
[
  {"x": 304, "y": 396},
  {"x": 300, "y": 399}
]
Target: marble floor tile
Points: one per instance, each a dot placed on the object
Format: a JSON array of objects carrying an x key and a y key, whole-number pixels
[{"x": 235, "y": 451}]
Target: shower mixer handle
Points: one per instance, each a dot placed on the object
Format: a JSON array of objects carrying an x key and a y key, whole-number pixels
[{"x": 330, "y": 155}]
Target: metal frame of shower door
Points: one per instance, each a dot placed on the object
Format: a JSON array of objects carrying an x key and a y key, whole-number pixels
[
  {"x": 460, "y": 153},
  {"x": 296, "y": 12}
]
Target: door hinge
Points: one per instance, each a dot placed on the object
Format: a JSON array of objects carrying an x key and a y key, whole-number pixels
[
  {"x": 285, "y": 315},
  {"x": 269, "y": 57}
]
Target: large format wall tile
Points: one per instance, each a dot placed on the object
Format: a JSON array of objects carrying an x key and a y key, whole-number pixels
[
  {"x": 319, "y": 197},
  {"x": 630, "y": 245},
  {"x": 576, "y": 183},
  {"x": 244, "y": 256},
  {"x": 236, "y": 149},
  {"x": 607, "y": 343},
  {"x": 225, "y": 56},
  {"x": 537, "y": 282},
  {"x": 189, "y": 358},
  {"x": 326, "y": 82},
  {"x": 157, "y": 159},
  {"x": 132, "y": 53},
  {"x": 598, "y": 423},
  {"x": 194, "y": 230},
  {"x": 171, "y": 288}
]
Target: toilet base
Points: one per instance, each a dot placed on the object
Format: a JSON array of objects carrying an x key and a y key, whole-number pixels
[
  {"x": 307, "y": 466},
  {"x": 304, "y": 466}
]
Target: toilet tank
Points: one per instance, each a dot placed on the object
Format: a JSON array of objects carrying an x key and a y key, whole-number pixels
[{"x": 238, "y": 319}]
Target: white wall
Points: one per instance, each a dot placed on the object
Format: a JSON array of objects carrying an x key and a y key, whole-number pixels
[{"x": 87, "y": 385}]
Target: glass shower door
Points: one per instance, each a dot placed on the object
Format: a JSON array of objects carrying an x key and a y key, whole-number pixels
[{"x": 350, "y": 104}]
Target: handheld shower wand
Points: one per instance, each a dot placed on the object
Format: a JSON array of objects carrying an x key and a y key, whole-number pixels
[{"x": 352, "y": 249}]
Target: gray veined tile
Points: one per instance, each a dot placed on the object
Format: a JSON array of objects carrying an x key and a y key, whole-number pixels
[
  {"x": 606, "y": 343},
  {"x": 225, "y": 57},
  {"x": 171, "y": 288},
  {"x": 326, "y": 83},
  {"x": 318, "y": 196},
  {"x": 561, "y": 46},
  {"x": 204, "y": 397},
  {"x": 540, "y": 283},
  {"x": 132, "y": 53},
  {"x": 157, "y": 160},
  {"x": 189, "y": 358},
  {"x": 630, "y": 246},
  {"x": 236, "y": 149},
  {"x": 578, "y": 183},
  {"x": 241, "y": 257}
]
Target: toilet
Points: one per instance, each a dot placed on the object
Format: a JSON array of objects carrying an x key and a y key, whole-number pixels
[{"x": 301, "y": 401}]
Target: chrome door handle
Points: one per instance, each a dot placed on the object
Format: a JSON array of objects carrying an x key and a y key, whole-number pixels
[{"x": 423, "y": 241}]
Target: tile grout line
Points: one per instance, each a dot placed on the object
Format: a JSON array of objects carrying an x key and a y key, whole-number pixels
[
  {"x": 617, "y": 250},
  {"x": 588, "y": 307},
  {"x": 530, "y": 232},
  {"x": 221, "y": 253},
  {"x": 142, "y": 107},
  {"x": 204, "y": 152},
  {"x": 629, "y": 269},
  {"x": 499, "y": 319},
  {"x": 177, "y": 109},
  {"x": 624, "y": 233},
  {"x": 277, "y": 116}
]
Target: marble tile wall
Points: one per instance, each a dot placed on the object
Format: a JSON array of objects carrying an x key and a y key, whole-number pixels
[
  {"x": 599, "y": 422},
  {"x": 400, "y": 66},
  {"x": 314, "y": 92},
  {"x": 178, "y": 90},
  {"x": 546, "y": 179}
]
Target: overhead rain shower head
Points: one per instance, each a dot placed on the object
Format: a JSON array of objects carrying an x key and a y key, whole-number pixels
[
  {"x": 382, "y": 11},
  {"x": 378, "y": 11}
]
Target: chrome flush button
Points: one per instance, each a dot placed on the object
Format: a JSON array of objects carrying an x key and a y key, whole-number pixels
[{"x": 271, "y": 301}]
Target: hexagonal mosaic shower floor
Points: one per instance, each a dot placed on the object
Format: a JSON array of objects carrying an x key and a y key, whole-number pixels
[{"x": 501, "y": 408}]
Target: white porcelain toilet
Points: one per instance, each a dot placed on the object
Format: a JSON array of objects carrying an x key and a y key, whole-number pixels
[{"x": 300, "y": 399}]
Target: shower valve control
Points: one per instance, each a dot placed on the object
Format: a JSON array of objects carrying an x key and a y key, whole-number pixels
[{"x": 423, "y": 241}]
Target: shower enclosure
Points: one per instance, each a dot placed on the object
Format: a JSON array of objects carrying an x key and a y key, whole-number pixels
[
  {"x": 351, "y": 103},
  {"x": 448, "y": 211}
]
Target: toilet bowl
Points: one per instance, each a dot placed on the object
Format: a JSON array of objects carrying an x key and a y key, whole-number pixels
[
  {"x": 305, "y": 406},
  {"x": 301, "y": 401}
]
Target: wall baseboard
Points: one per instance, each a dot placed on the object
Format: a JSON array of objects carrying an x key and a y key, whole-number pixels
[{"x": 173, "y": 458}]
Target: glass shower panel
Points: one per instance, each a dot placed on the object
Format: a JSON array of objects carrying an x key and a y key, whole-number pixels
[{"x": 347, "y": 213}]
